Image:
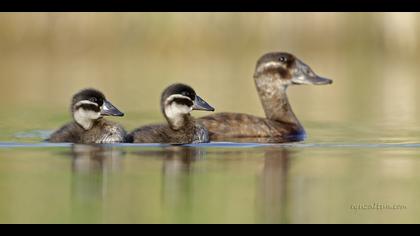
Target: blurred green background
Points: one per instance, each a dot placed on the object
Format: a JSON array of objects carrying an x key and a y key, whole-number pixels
[{"x": 47, "y": 57}]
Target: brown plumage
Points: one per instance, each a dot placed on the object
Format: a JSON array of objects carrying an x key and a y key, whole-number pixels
[
  {"x": 273, "y": 74},
  {"x": 88, "y": 109},
  {"x": 103, "y": 131},
  {"x": 177, "y": 101},
  {"x": 236, "y": 127},
  {"x": 163, "y": 133}
]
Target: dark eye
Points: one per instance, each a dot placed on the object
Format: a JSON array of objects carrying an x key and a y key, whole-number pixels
[
  {"x": 282, "y": 59},
  {"x": 93, "y": 99}
]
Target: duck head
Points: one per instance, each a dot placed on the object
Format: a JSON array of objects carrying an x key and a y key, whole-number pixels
[
  {"x": 286, "y": 69},
  {"x": 90, "y": 105},
  {"x": 177, "y": 101}
]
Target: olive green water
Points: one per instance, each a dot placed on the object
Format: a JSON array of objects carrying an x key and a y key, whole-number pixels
[{"x": 363, "y": 131}]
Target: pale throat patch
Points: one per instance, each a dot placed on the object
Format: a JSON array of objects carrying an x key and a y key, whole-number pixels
[
  {"x": 85, "y": 118},
  {"x": 175, "y": 112}
]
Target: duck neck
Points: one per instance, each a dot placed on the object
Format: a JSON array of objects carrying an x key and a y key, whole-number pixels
[
  {"x": 180, "y": 122},
  {"x": 85, "y": 119},
  {"x": 272, "y": 91}
]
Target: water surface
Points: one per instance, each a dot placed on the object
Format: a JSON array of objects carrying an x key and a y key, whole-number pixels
[{"x": 315, "y": 181}]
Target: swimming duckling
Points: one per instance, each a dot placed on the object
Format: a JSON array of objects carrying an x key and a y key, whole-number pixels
[
  {"x": 177, "y": 101},
  {"x": 274, "y": 73},
  {"x": 88, "y": 107}
]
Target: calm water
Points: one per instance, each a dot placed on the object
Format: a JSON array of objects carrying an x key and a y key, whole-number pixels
[
  {"x": 316, "y": 181},
  {"x": 363, "y": 131}
]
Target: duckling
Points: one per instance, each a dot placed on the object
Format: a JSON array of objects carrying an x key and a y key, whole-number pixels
[
  {"x": 274, "y": 73},
  {"x": 177, "y": 101},
  {"x": 88, "y": 108}
]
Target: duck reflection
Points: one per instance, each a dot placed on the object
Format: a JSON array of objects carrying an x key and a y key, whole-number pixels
[
  {"x": 186, "y": 169},
  {"x": 272, "y": 192},
  {"x": 91, "y": 166},
  {"x": 178, "y": 172},
  {"x": 178, "y": 178}
]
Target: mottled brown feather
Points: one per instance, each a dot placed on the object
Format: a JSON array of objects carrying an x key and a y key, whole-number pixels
[
  {"x": 163, "y": 133},
  {"x": 235, "y": 126},
  {"x": 102, "y": 129}
]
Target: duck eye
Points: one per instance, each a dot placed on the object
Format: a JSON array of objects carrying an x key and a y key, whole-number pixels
[
  {"x": 93, "y": 99},
  {"x": 282, "y": 59}
]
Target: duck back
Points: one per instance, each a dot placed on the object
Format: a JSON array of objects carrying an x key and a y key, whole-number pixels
[
  {"x": 162, "y": 133},
  {"x": 103, "y": 131},
  {"x": 234, "y": 126}
]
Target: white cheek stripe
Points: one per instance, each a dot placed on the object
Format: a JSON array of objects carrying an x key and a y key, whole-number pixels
[
  {"x": 173, "y": 97},
  {"x": 273, "y": 64},
  {"x": 270, "y": 65},
  {"x": 85, "y": 102}
]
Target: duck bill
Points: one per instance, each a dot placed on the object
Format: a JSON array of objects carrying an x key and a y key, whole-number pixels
[
  {"x": 314, "y": 80},
  {"x": 201, "y": 105},
  {"x": 110, "y": 110},
  {"x": 305, "y": 75}
]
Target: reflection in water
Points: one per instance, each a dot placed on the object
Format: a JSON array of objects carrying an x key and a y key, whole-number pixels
[
  {"x": 208, "y": 185},
  {"x": 91, "y": 168},
  {"x": 177, "y": 193},
  {"x": 181, "y": 182},
  {"x": 178, "y": 182},
  {"x": 272, "y": 195}
]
